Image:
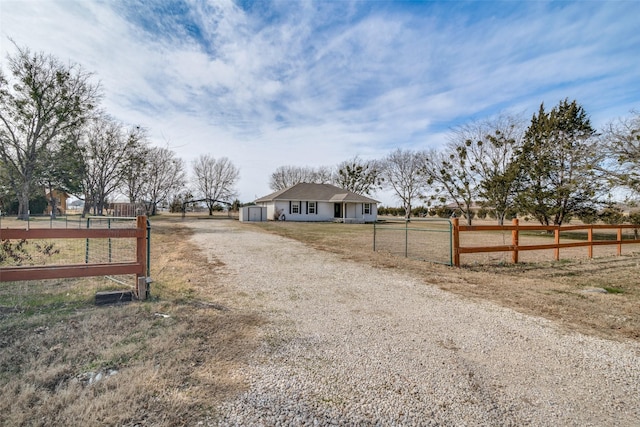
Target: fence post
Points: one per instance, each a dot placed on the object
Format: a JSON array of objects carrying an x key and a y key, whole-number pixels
[
  {"x": 109, "y": 240},
  {"x": 556, "y": 241},
  {"x": 141, "y": 244},
  {"x": 374, "y": 235},
  {"x": 148, "y": 247},
  {"x": 590, "y": 240},
  {"x": 450, "y": 243},
  {"x": 619, "y": 241},
  {"x": 406, "y": 238},
  {"x": 86, "y": 250},
  {"x": 456, "y": 241},
  {"x": 515, "y": 240}
]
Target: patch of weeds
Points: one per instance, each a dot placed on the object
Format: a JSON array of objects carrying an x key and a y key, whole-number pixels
[{"x": 612, "y": 290}]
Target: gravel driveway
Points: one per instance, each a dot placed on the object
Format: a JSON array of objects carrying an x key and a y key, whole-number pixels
[{"x": 347, "y": 344}]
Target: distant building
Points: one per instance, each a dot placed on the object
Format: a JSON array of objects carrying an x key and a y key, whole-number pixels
[{"x": 61, "y": 198}]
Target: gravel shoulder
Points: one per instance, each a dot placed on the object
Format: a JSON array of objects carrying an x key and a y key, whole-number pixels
[{"x": 347, "y": 344}]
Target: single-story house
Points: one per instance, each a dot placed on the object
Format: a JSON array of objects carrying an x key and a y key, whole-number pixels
[{"x": 319, "y": 202}]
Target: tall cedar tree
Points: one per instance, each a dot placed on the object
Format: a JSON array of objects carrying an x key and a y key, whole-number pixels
[
  {"x": 62, "y": 169},
  {"x": 557, "y": 165}
]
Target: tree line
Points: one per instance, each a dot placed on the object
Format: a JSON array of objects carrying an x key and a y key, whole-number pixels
[
  {"x": 55, "y": 136},
  {"x": 553, "y": 168}
]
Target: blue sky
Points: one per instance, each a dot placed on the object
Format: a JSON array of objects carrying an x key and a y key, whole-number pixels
[{"x": 273, "y": 83}]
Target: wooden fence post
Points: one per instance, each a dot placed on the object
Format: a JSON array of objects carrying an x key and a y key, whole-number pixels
[
  {"x": 141, "y": 244},
  {"x": 556, "y": 241},
  {"x": 456, "y": 241},
  {"x": 515, "y": 240},
  {"x": 619, "y": 241},
  {"x": 590, "y": 240}
]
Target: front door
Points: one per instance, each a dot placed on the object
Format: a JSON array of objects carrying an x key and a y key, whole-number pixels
[{"x": 337, "y": 210}]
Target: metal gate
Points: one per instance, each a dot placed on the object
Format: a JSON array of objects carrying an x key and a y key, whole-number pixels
[{"x": 426, "y": 239}]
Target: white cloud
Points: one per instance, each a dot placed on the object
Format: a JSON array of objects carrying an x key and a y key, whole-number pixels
[{"x": 315, "y": 83}]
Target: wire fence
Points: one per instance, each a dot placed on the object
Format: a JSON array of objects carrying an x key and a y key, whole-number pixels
[
  {"x": 423, "y": 239},
  {"x": 44, "y": 221},
  {"x": 102, "y": 248},
  {"x": 68, "y": 251}
]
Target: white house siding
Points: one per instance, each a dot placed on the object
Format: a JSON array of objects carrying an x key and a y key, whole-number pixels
[
  {"x": 325, "y": 211},
  {"x": 356, "y": 211}
]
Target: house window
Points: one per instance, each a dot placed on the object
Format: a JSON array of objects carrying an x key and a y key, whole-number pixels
[
  {"x": 312, "y": 207},
  {"x": 367, "y": 208},
  {"x": 295, "y": 207}
]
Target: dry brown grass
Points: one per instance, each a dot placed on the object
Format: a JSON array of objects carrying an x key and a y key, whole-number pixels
[
  {"x": 559, "y": 291},
  {"x": 166, "y": 361},
  {"x": 175, "y": 370}
]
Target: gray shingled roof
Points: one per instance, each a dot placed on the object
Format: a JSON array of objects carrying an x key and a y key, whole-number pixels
[{"x": 316, "y": 192}]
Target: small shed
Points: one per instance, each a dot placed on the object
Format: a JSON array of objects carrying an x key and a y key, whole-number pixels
[{"x": 253, "y": 213}]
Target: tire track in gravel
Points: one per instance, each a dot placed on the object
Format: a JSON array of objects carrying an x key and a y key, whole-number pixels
[{"x": 347, "y": 344}]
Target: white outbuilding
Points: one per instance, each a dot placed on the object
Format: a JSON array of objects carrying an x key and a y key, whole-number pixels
[{"x": 253, "y": 213}]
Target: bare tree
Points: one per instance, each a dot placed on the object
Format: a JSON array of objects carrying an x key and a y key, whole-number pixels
[
  {"x": 5, "y": 188},
  {"x": 215, "y": 179},
  {"x": 359, "y": 176},
  {"x": 477, "y": 163},
  {"x": 164, "y": 176},
  {"x": 451, "y": 176},
  {"x": 402, "y": 173},
  {"x": 136, "y": 171},
  {"x": 322, "y": 175},
  {"x": 41, "y": 102},
  {"x": 288, "y": 176},
  {"x": 495, "y": 156},
  {"x": 621, "y": 140},
  {"x": 109, "y": 149}
]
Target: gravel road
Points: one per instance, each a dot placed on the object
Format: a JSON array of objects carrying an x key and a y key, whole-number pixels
[{"x": 347, "y": 344}]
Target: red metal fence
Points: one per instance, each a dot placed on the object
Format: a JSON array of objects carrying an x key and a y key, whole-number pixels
[{"x": 137, "y": 266}]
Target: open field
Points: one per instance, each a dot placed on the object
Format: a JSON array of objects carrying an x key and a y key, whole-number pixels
[{"x": 173, "y": 360}]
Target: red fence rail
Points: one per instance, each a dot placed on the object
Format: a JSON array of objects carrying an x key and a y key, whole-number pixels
[
  {"x": 515, "y": 247},
  {"x": 137, "y": 267}
]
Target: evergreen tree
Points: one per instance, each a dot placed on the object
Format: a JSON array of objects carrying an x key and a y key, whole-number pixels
[{"x": 557, "y": 164}]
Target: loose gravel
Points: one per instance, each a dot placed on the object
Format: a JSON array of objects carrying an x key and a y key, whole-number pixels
[{"x": 347, "y": 344}]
